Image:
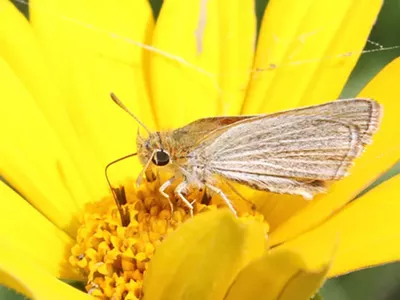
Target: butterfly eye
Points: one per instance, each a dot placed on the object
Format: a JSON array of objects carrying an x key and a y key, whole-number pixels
[{"x": 161, "y": 158}]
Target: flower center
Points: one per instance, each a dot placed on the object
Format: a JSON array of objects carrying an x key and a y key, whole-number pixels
[{"x": 114, "y": 258}]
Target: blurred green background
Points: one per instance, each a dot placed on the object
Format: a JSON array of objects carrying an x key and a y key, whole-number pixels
[{"x": 379, "y": 283}]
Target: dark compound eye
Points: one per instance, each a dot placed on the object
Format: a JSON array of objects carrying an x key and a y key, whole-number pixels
[{"x": 161, "y": 158}]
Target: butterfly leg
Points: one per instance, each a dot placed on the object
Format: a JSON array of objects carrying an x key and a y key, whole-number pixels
[
  {"x": 253, "y": 206},
  {"x": 179, "y": 193},
  {"x": 162, "y": 189},
  {"x": 223, "y": 196}
]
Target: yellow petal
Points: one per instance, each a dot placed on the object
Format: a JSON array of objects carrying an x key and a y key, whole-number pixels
[
  {"x": 207, "y": 50},
  {"x": 25, "y": 58},
  {"x": 281, "y": 275},
  {"x": 22, "y": 227},
  {"x": 366, "y": 230},
  {"x": 32, "y": 158},
  {"x": 93, "y": 50},
  {"x": 308, "y": 59},
  {"x": 200, "y": 259},
  {"x": 378, "y": 157},
  {"x": 278, "y": 208},
  {"x": 31, "y": 279}
]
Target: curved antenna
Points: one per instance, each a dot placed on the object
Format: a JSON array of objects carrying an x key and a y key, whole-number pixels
[
  {"x": 121, "y": 105},
  {"x": 116, "y": 194}
]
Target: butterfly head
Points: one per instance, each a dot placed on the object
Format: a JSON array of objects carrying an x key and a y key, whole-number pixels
[{"x": 153, "y": 148}]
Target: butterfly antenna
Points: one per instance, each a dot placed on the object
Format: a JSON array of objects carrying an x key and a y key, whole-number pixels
[
  {"x": 121, "y": 105},
  {"x": 118, "y": 193}
]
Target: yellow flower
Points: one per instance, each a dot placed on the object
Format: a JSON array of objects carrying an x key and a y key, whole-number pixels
[{"x": 60, "y": 130}]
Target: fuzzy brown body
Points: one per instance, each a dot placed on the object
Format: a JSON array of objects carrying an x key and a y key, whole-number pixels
[{"x": 292, "y": 152}]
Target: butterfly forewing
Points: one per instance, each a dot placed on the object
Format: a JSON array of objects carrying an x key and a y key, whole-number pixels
[
  {"x": 364, "y": 113},
  {"x": 292, "y": 151}
]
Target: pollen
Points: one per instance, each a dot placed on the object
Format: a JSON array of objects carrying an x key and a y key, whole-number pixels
[{"x": 114, "y": 258}]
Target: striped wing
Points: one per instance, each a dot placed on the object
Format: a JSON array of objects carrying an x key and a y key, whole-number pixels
[
  {"x": 363, "y": 113},
  {"x": 293, "y": 151}
]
